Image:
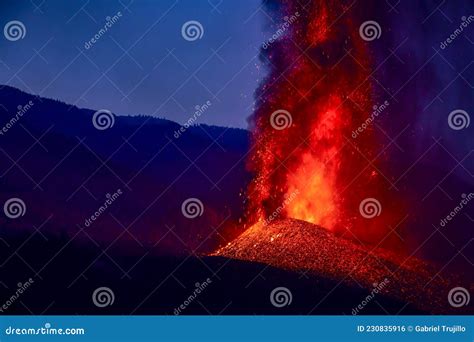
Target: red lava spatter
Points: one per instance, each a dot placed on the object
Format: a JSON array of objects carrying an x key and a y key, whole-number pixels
[
  {"x": 298, "y": 245},
  {"x": 317, "y": 90}
]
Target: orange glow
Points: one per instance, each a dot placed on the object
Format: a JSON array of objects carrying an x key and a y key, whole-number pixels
[
  {"x": 316, "y": 176},
  {"x": 317, "y": 203},
  {"x": 322, "y": 79}
]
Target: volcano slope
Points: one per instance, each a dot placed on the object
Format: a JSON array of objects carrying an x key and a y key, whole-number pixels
[{"x": 301, "y": 246}]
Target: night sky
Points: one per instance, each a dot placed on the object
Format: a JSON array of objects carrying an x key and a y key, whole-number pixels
[{"x": 142, "y": 64}]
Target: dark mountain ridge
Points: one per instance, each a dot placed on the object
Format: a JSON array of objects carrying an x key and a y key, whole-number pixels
[{"x": 63, "y": 167}]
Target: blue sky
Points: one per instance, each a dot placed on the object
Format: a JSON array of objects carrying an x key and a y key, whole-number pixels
[{"x": 142, "y": 64}]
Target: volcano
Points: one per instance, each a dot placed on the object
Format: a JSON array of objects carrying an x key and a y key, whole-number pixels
[{"x": 298, "y": 245}]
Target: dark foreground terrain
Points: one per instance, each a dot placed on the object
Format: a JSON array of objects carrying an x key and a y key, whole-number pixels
[{"x": 66, "y": 275}]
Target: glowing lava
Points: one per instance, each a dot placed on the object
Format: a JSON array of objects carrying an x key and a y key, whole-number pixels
[
  {"x": 317, "y": 172},
  {"x": 319, "y": 73},
  {"x": 301, "y": 246}
]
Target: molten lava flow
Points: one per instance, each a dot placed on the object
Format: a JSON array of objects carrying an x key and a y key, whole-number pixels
[{"x": 318, "y": 90}]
